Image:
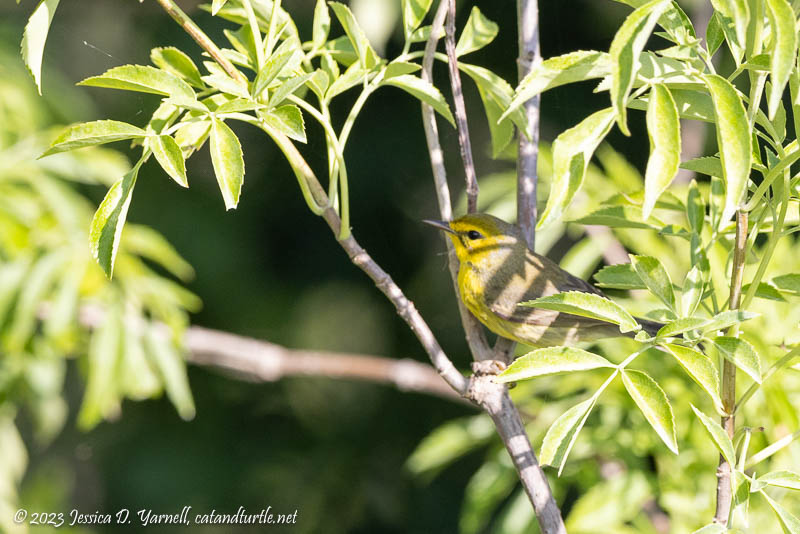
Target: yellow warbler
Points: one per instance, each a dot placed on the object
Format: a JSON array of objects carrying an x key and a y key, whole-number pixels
[{"x": 498, "y": 271}]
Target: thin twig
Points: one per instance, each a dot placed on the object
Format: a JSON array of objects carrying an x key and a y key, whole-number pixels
[
  {"x": 728, "y": 390},
  {"x": 200, "y": 38},
  {"x": 476, "y": 339},
  {"x": 460, "y": 109},
  {"x": 527, "y": 177}
]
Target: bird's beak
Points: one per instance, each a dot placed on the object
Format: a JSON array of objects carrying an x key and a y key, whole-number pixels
[{"x": 441, "y": 225}]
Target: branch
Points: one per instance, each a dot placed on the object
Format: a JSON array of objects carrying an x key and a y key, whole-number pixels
[
  {"x": 476, "y": 339},
  {"x": 724, "y": 469},
  {"x": 461, "y": 110},
  {"x": 527, "y": 177},
  {"x": 258, "y": 360}
]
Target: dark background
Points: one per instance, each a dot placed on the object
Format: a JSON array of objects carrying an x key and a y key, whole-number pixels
[{"x": 333, "y": 450}]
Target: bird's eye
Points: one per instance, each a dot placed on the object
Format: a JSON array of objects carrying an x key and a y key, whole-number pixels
[{"x": 474, "y": 234}]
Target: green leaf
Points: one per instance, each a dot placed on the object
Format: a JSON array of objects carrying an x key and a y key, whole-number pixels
[
  {"x": 790, "y": 523},
  {"x": 142, "y": 78},
  {"x": 765, "y": 291},
  {"x": 587, "y": 305},
  {"x": 486, "y": 490},
  {"x": 663, "y": 128},
  {"x": 781, "y": 479},
  {"x": 364, "y": 51},
  {"x": 700, "y": 368},
  {"x": 190, "y": 136},
  {"x": 424, "y": 91},
  {"x": 396, "y": 68},
  {"x": 322, "y": 24},
  {"x": 622, "y": 276},
  {"x": 562, "y": 434},
  {"x": 572, "y": 151},
  {"x": 287, "y": 88},
  {"x": 727, "y": 318},
  {"x": 653, "y": 403},
  {"x": 560, "y": 70},
  {"x": 172, "y": 369},
  {"x": 216, "y": 5},
  {"x": 34, "y": 37},
  {"x": 695, "y": 208},
  {"x": 495, "y": 94},
  {"x": 109, "y": 219},
  {"x": 100, "y": 398},
  {"x": 788, "y": 283},
  {"x": 228, "y": 162},
  {"x": 740, "y": 353},
  {"x": 734, "y": 17},
  {"x": 708, "y": 165},
  {"x": 693, "y": 286},
  {"x": 684, "y": 324},
  {"x": 617, "y": 217},
  {"x": 478, "y": 32},
  {"x": 62, "y": 315},
  {"x": 733, "y": 138},
  {"x": 176, "y": 62},
  {"x": 551, "y": 360},
  {"x": 287, "y": 119},
  {"x": 655, "y": 277},
  {"x": 354, "y": 75},
  {"x": 141, "y": 381},
  {"x": 714, "y": 35},
  {"x": 784, "y": 49},
  {"x": 413, "y": 13},
  {"x": 281, "y": 61},
  {"x": 93, "y": 133},
  {"x": 227, "y": 85},
  {"x": 169, "y": 156},
  {"x": 628, "y": 43}
]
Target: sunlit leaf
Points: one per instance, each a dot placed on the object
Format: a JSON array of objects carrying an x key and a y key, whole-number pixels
[
  {"x": 653, "y": 403},
  {"x": 784, "y": 49},
  {"x": 169, "y": 156},
  {"x": 172, "y": 368},
  {"x": 551, "y": 360},
  {"x": 287, "y": 119},
  {"x": 733, "y": 138},
  {"x": 321, "y": 25},
  {"x": 587, "y": 305},
  {"x": 142, "y": 78},
  {"x": 781, "y": 479},
  {"x": 175, "y": 61},
  {"x": 413, "y": 13},
  {"x": 477, "y": 33},
  {"x": 101, "y": 398},
  {"x": 93, "y": 133},
  {"x": 364, "y": 51},
  {"x": 425, "y": 92},
  {"x": 34, "y": 37},
  {"x": 109, "y": 220},
  {"x": 228, "y": 162},
  {"x": 700, "y": 368},
  {"x": 622, "y": 276},
  {"x": 562, "y": 434},
  {"x": 655, "y": 277},
  {"x": 625, "y": 49},
  {"x": 789, "y": 522},
  {"x": 740, "y": 353},
  {"x": 572, "y": 151},
  {"x": 663, "y": 128}
]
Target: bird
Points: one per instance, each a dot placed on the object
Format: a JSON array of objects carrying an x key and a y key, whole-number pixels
[{"x": 498, "y": 271}]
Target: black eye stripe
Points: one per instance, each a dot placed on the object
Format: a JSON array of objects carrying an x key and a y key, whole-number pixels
[{"x": 474, "y": 234}]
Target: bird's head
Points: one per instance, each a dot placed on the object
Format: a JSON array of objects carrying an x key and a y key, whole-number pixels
[{"x": 480, "y": 236}]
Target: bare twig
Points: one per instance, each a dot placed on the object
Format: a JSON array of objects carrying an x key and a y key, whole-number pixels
[
  {"x": 461, "y": 110},
  {"x": 476, "y": 339},
  {"x": 529, "y": 55},
  {"x": 728, "y": 393},
  {"x": 257, "y": 360}
]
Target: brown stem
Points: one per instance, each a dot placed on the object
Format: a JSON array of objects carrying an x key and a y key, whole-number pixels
[
  {"x": 200, "y": 38},
  {"x": 728, "y": 393},
  {"x": 527, "y": 178},
  {"x": 460, "y": 109}
]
